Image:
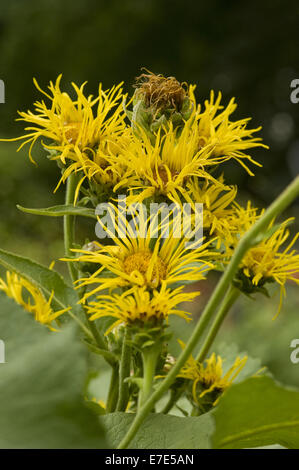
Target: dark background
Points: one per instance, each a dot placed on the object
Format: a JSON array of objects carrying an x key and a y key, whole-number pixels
[{"x": 245, "y": 49}]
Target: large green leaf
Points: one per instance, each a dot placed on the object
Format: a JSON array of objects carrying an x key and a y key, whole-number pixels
[
  {"x": 43, "y": 277},
  {"x": 161, "y": 431},
  {"x": 257, "y": 412},
  {"x": 41, "y": 384},
  {"x": 59, "y": 211}
]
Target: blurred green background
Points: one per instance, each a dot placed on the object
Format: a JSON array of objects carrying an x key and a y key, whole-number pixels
[{"x": 245, "y": 49}]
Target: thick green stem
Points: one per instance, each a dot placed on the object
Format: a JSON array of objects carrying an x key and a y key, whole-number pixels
[
  {"x": 124, "y": 372},
  {"x": 113, "y": 391},
  {"x": 69, "y": 225},
  {"x": 227, "y": 303},
  {"x": 247, "y": 241},
  {"x": 149, "y": 359}
]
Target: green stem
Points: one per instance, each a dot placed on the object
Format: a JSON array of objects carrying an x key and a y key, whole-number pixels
[
  {"x": 69, "y": 225},
  {"x": 227, "y": 303},
  {"x": 69, "y": 229},
  {"x": 246, "y": 242},
  {"x": 99, "y": 339},
  {"x": 124, "y": 372},
  {"x": 113, "y": 391},
  {"x": 149, "y": 359}
]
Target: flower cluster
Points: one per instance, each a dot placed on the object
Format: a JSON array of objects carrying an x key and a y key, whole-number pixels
[{"x": 162, "y": 148}]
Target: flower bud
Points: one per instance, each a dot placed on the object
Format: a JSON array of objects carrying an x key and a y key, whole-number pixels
[{"x": 159, "y": 100}]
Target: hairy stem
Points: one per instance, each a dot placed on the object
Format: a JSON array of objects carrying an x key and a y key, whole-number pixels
[
  {"x": 124, "y": 372},
  {"x": 246, "y": 242}
]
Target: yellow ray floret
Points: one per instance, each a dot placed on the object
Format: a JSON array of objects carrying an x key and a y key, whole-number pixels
[
  {"x": 144, "y": 258},
  {"x": 209, "y": 375},
  {"x": 165, "y": 166},
  {"x": 101, "y": 165},
  {"x": 30, "y": 298},
  {"x": 217, "y": 204},
  {"x": 228, "y": 138},
  {"x": 138, "y": 304}
]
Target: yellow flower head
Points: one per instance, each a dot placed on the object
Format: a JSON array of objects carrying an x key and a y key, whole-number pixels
[
  {"x": 71, "y": 124},
  {"x": 30, "y": 298},
  {"x": 139, "y": 305},
  {"x": 271, "y": 260},
  {"x": 209, "y": 376},
  {"x": 101, "y": 165},
  {"x": 167, "y": 165},
  {"x": 217, "y": 203},
  {"x": 228, "y": 138},
  {"x": 143, "y": 257},
  {"x": 79, "y": 132}
]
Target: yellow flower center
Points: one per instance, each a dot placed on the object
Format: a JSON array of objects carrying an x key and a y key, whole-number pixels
[{"x": 140, "y": 262}]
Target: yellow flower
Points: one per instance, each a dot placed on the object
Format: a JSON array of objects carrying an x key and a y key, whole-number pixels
[
  {"x": 209, "y": 376},
  {"x": 30, "y": 298},
  {"x": 217, "y": 203},
  {"x": 206, "y": 140},
  {"x": 228, "y": 138},
  {"x": 241, "y": 218},
  {"x": 139, "y": 305},
  {"x": 166, "y": 166},
  {"x": 270, "y": 260},
  {"x": 70, "y": 124},
  {"x": 143, "y": 257},
  {"x": 79, "y": 132},
  {"x": 101, "y": 165}
]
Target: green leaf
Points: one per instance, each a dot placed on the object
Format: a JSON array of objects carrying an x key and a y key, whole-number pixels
[
  {"x": 95, "y": 407},
  {"x": 41, "y": 384},
  {"x": 161, "y": 431},
  {"x": 102, "y": 352},
  {"x": 59, "y": 211},
  {"x": 42, "y": 277},
  {"x": 255, "y": 413}
]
